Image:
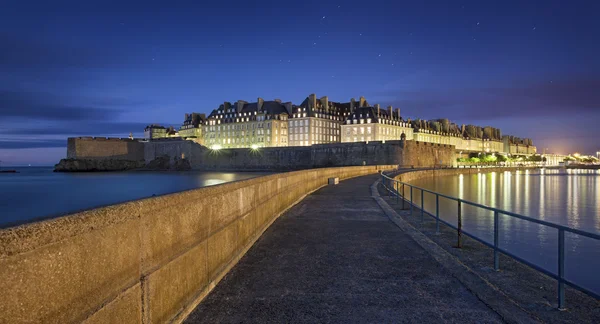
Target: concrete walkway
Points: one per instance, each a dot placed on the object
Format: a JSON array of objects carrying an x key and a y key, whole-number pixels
[{"x": 336, "y": 257}]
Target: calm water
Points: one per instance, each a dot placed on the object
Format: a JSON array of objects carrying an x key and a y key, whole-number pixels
[
  {"x": 566, "y": 197},
  {"x": 40, "y": 193}
]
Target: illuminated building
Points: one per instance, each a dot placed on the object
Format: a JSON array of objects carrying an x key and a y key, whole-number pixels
[
  {"x": 316, "y": 121},
  {"x": 258, "y": 124},
  {"x": 192, "y": 127},
  {"x": 320, "y": 121},
  {"x": 366, "y": 123}
]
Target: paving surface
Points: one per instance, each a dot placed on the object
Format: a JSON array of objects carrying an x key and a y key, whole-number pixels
[{"x": 336, "y": 257}]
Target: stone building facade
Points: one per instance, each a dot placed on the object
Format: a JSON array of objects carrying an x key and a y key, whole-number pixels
[
  {"x": 366, "y": 123},
  {"x": 192, "y": 127},
  {"x": 320, "y": 121},
  {"x": 248, "y": 125},
  {"x": 316, "y": 121}
]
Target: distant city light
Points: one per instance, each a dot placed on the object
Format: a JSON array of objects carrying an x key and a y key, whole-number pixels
[
  {"x": 216, "y": 147},
  {"x": 576, "y": 155}
]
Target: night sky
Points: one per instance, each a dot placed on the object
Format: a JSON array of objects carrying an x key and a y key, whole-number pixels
[{"x": 108, "y": 68}]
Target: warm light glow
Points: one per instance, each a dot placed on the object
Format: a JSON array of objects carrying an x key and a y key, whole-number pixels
[
  {"x": 576, "y": 155},
  {"x": 216, "y": 147},
  {"x": 254, "y": 147}
]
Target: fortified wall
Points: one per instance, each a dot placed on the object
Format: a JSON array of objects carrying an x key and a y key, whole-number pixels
[
  {"x": 146, "y": 261},
  {"x": 103, "y": 148},
  {"x": 404, "y": 153}
]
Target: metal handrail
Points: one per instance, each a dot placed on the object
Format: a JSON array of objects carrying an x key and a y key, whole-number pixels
[{"x": 392, "y": 187}]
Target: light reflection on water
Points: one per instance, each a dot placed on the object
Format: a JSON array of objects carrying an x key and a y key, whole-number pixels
[{"x": 566, "y": 197}]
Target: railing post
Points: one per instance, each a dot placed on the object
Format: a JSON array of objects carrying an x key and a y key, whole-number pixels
[
  {"x": 561, "y": 268},
  {"x": 496, "y": 228},
  {"x": 437, "y": 214},
  {"x": 411, "y": 200},
  {"x": 422, "y": 205},
  {"x": 397, "y": 193},
  {"x": 459, "y": 227},
  {"x": 403, "y": 198}
]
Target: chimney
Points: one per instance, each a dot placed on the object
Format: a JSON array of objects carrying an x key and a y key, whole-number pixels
[
  {"x": 226, "y": 106},
  {"x": 362, "y": 101},
  {"x": 398, "y": 113},
  {"x": 187, "y": 116},
  {"x": 288, "y": 107},
  {"x": 277, "y": 100},
  {"x": 390, "y": 112},
  {"x": 312, "y": 101},
  {"x": 259, "y": 103},
  {"x": 325, "y": 102},
  {"x": 240, "y": 105},
  {"x": 377, "y": 107},
  {"x": 352, "y": 105}
]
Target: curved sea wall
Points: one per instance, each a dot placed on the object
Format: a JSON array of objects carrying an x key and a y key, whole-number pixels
[{"x": 146, "y": 261}]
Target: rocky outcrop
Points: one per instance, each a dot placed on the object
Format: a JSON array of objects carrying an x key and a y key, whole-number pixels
[
  {"x": 162, "y": 162},
  {"x": 182, "y": 165},
  {"x": 89, "y": 165}
]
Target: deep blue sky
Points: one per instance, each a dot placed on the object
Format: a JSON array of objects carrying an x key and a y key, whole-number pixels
[{"x": 67, "y": 68}]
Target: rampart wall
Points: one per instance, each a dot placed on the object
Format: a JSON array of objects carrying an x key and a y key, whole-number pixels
[
  {"x": 408, "y": 153},
  {"x": 146, "y": 261},
  {"x": 102, "y": 148}
]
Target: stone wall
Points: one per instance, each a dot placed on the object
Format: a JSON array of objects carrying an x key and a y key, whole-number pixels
[
  {"x": 102, "y": 148},
  {"x": 408, "y": 153},
  {"x": 146, "y": 261}
]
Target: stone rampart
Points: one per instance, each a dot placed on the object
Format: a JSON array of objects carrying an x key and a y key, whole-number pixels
[
  {"x": 103, "y": 148},
  {"x": 408, "y": 153},
  {"x": 146, "y": 261}
]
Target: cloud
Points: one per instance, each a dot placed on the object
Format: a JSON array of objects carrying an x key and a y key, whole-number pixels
[
  {"x": 16, "y": 144},
  {"x": 44, "y": 106},
  {"x": 80, "y": 129},
  {"x": 548, "y": 99}
]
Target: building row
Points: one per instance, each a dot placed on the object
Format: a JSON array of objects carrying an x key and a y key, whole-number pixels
[{"x": 320, "y": 121}]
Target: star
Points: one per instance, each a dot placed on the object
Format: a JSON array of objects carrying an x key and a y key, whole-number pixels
[
  {"x": 323, "y": 17},
  {"x": 359, "y": 34},
  {"x": 392, "y": 64},
  {"x": 314, "y": 43},
  {"x": 379, "y": 55},
  {"x": 534, "y": 28},
  {"x": 153, "y": 59},
  {"x": 478, "y": 23}
]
